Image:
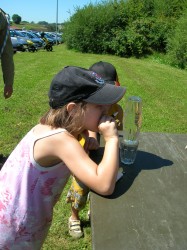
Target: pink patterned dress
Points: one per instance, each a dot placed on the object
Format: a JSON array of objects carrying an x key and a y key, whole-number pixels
[{"x": 28, "y": 193}]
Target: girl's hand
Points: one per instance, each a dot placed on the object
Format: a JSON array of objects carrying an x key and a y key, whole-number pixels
[{"x": 107, "y": 126}]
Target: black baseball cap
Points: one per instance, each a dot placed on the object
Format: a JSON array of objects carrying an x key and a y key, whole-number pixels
[
  {"x": 106, "y": 70},
  {"x": 79, "y": 84}
]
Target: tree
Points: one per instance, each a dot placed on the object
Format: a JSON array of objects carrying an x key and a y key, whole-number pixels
[
  {"x": 16, "y": 19},
  {"x": 43, "y": 23}
]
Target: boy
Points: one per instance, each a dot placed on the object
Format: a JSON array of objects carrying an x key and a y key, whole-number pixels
[{"x": 78, "y": 192}]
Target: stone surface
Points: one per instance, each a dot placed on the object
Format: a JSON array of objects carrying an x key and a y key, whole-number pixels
[{"x": 148, "y": 209}]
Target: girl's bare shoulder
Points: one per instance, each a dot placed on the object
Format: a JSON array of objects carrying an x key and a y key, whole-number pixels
[{"x": 46, "y": 135}]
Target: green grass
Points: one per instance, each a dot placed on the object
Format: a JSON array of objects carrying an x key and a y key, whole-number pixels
[{"x": 163, "y": 90}]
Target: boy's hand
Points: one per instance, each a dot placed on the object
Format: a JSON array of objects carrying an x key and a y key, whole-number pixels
[{"x": 91, "y": 144}]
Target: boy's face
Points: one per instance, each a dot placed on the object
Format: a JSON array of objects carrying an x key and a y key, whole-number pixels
[{"x": 93, "y": 114}]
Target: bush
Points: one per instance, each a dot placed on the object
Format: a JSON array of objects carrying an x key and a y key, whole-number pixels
[
  {"x": 132, "y": 41},
  {"x": 123, "y": 28},
  {"x": 89, "y": 28},
  {"x": 159, "y": 33},
  {"x": 177, "y": 44}
]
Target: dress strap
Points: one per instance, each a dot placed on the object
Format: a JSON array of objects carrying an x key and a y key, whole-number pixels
[{"x": 49, "y": 133}]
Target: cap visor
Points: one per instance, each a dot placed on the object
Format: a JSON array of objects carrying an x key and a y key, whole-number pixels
[{"x": 107, "y": 95}]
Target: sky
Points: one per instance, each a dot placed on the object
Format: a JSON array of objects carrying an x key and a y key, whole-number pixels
[{"x": 42, "y": 10}]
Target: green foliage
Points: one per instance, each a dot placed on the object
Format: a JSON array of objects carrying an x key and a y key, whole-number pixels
[
  {"x": 43, "y": 23},
  {"x": 16, "y": 19},
  {"x": 124, "y": 28},
  {"x": 169, "y": 8},
  {"x": 177, "y": 44},
  {"x": 159, "y": 29},
  {"x": 89, "y": 28},
  {"x": 51, "y": 27},
  {"x": 25, "y": 22},
  {"x": 134, "y": 40}
]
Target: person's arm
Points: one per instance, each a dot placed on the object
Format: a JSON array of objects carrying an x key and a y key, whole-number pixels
[
  {"x": 7, "y": 62},
  {"x": 64, "y": 147},
  {"x": 8, "y": 68},
  {"x": 102, "y": 177},
  {"x": 91, "y": 142}
]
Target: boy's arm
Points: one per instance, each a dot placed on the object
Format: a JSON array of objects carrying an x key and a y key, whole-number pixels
[
  {"x": 91, "y": 142},
  {"x": 92, "y": 134}
]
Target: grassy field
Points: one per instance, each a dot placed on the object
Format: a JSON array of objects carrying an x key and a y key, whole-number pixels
[
  {"x": 163, "y": 90},
  {"x": 29, "y": 26}
]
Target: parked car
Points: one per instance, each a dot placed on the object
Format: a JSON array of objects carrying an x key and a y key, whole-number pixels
[
  {"x": 55, "y": 36},
  {"x": 20, "y": 38},
  {"x": 17, "y": 46},
  {"x": 36, "y": 40}
]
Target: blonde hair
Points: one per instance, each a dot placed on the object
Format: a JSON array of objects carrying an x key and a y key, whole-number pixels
[{"x": 61, "y": 118}]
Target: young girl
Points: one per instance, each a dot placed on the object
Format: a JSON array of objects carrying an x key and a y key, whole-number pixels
[
  {"x": 78, "y": 193},
  {"x": 36, "y": 172}
]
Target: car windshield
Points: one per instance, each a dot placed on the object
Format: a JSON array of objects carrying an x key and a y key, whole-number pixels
[
  {"x": 26, "y": 34},
  {"x": 14, "y": 33},
  {"x": 19, "y": 34},
  {"x": 34, "y": 35},
  {"x": 37, "y": 35},
  {"x": 47, "y": 35}
]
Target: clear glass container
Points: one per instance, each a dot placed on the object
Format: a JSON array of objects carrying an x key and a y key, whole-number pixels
[{"x": 131, "y": 129}]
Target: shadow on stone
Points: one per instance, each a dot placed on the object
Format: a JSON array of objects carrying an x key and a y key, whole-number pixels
[{"x": 144, "y": 161}]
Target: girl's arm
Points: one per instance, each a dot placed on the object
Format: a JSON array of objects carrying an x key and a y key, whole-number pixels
[
  {"x": 63, "y": 147},
  {"x": 102, "y": 177}
]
